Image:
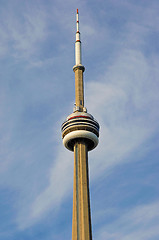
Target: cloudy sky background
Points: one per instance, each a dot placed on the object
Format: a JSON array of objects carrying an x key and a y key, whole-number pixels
[{"x": 121, "y": 55}]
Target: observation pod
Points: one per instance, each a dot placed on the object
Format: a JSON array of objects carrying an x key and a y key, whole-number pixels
[{"x": 80, "y": 125}]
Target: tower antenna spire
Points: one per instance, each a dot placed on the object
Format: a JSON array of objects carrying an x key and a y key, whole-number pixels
[
  {"x": 78, "y": 69},
  {"x": 78, "y": 57}
]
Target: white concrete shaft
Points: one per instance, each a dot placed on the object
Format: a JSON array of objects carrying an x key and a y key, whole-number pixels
[{"x": 81, "y": 221}]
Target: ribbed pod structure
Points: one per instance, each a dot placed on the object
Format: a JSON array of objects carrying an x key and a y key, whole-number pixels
[{"x": 80, "y": 133}]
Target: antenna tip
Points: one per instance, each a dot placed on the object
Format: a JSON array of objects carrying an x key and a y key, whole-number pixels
[{"x": 77, "y": 10}]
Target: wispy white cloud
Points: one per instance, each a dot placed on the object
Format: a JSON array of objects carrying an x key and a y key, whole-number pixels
[
  {"x": 22, "y": 35},
  {"x": 59, "y": 187},
  {"x": 125, "y": 101},
  {"x": 140, "y": 223}
]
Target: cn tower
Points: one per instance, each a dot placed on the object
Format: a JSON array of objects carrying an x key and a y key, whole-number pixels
[{"x": 80, "y": 133}]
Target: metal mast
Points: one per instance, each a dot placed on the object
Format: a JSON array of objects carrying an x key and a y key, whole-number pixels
[
  {"x": 78, "y": 69},
  {"x": 80, "y": 132}
]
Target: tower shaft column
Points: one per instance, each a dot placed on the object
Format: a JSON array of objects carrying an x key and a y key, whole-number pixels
[
  {"x": 79, "y": 89},
  {"x": 81, "y": 222}
]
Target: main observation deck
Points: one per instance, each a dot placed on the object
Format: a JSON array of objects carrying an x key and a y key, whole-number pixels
[{"x": 80, "y": 125}]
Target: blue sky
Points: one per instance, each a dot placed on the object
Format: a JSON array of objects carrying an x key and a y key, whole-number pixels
[{"x": 121, "y": 55}]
